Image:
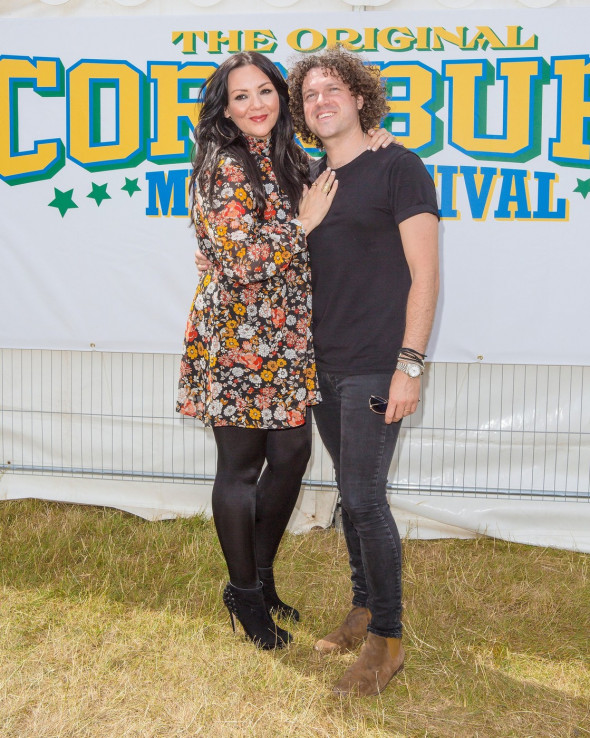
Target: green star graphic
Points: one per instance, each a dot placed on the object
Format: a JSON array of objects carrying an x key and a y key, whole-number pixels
[
  {"x": 583, "y": 187},
  {"x": 99, "y": 193},
  {"x": 131, "y": 186},
  {"x": 62, "y": 201}
]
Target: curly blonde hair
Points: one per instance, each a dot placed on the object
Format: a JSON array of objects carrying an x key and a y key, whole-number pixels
[{"x": 361, "y": 79}]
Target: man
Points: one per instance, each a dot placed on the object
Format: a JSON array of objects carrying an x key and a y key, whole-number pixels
[{"x": 374, "y": 263}]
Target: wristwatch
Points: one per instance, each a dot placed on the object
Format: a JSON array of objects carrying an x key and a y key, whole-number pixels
[{"x": 409, "y": 368}]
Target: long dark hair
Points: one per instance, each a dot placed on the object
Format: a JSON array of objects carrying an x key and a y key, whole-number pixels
[{"x": 216, "y": 135}]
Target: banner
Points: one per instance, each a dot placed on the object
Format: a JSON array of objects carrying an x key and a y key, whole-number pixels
[{"x": 95, "y": 144}]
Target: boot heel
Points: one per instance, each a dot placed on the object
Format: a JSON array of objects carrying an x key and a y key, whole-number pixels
[{"x": 228, "y": 602}]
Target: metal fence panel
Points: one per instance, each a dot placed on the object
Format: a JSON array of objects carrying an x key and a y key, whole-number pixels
[{"x": 480, "y": 429}]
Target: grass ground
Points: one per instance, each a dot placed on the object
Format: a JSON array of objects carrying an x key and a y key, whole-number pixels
[{"x": 112, "y": 626}]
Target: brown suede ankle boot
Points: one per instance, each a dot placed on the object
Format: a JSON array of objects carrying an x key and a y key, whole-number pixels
[
  {"x": 348, "y": 635},
  {"x": 379, "y": 659}
]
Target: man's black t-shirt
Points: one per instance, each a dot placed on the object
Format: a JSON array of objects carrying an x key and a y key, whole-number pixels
[{"x": 360, "y": 276}]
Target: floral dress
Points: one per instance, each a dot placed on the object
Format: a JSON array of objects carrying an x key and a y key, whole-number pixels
[{"x": 248, "y": 358}]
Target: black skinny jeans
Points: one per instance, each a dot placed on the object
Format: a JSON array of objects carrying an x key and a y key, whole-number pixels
[
  {"x": 251, "y": 507},
  {"x": 361, "y": 446}
]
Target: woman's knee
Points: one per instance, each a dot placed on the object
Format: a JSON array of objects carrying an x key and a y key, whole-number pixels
[
  {"x": 290, "y": 452},
  {"x": 238, "y": 475},
  {"x": 293, "y": 461}
]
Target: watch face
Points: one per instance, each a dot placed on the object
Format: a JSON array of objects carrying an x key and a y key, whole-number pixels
[{"x": 413, "y": 370}]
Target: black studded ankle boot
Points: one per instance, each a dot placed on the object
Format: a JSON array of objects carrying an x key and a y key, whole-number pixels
[
  {"x": 274, "y": 603},
  {"x": 248, "y": 606}
]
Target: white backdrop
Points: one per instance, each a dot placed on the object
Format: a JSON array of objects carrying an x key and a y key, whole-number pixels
[
  {"x": 94, "y": 256},
  {"x": 108, "y": 278}
]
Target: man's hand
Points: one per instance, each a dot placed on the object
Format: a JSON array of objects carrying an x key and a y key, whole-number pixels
[
  {"x": 201, "y": 262},
  {"x": 404, "y": 396}
]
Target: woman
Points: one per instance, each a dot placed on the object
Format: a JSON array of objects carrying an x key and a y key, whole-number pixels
[{"x": 248, "y": 369}]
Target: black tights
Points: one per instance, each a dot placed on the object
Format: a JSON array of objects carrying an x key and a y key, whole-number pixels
[{"x": 251, "y": 510}]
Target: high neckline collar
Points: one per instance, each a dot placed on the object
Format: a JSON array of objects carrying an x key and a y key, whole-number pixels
[{"x": 258, "y": 145}]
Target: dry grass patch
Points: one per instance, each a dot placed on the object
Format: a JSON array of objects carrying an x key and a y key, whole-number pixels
[{"x": 114, "y": 626}]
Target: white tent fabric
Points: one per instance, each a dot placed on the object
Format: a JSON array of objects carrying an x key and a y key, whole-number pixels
[
  {"x": 70, "y": 8},
  {"x": 553, "y": 525}
]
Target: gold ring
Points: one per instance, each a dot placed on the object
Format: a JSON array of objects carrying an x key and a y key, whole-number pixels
[{"x": 326, "y": 189}]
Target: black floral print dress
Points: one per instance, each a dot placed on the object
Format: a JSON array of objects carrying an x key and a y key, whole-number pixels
[{"x": 248, "y": 358}]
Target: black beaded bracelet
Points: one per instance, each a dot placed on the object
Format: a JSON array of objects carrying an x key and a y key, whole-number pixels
[
  {"x": 412, "y": 355},
  {"x": 412, "y": 351}
]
